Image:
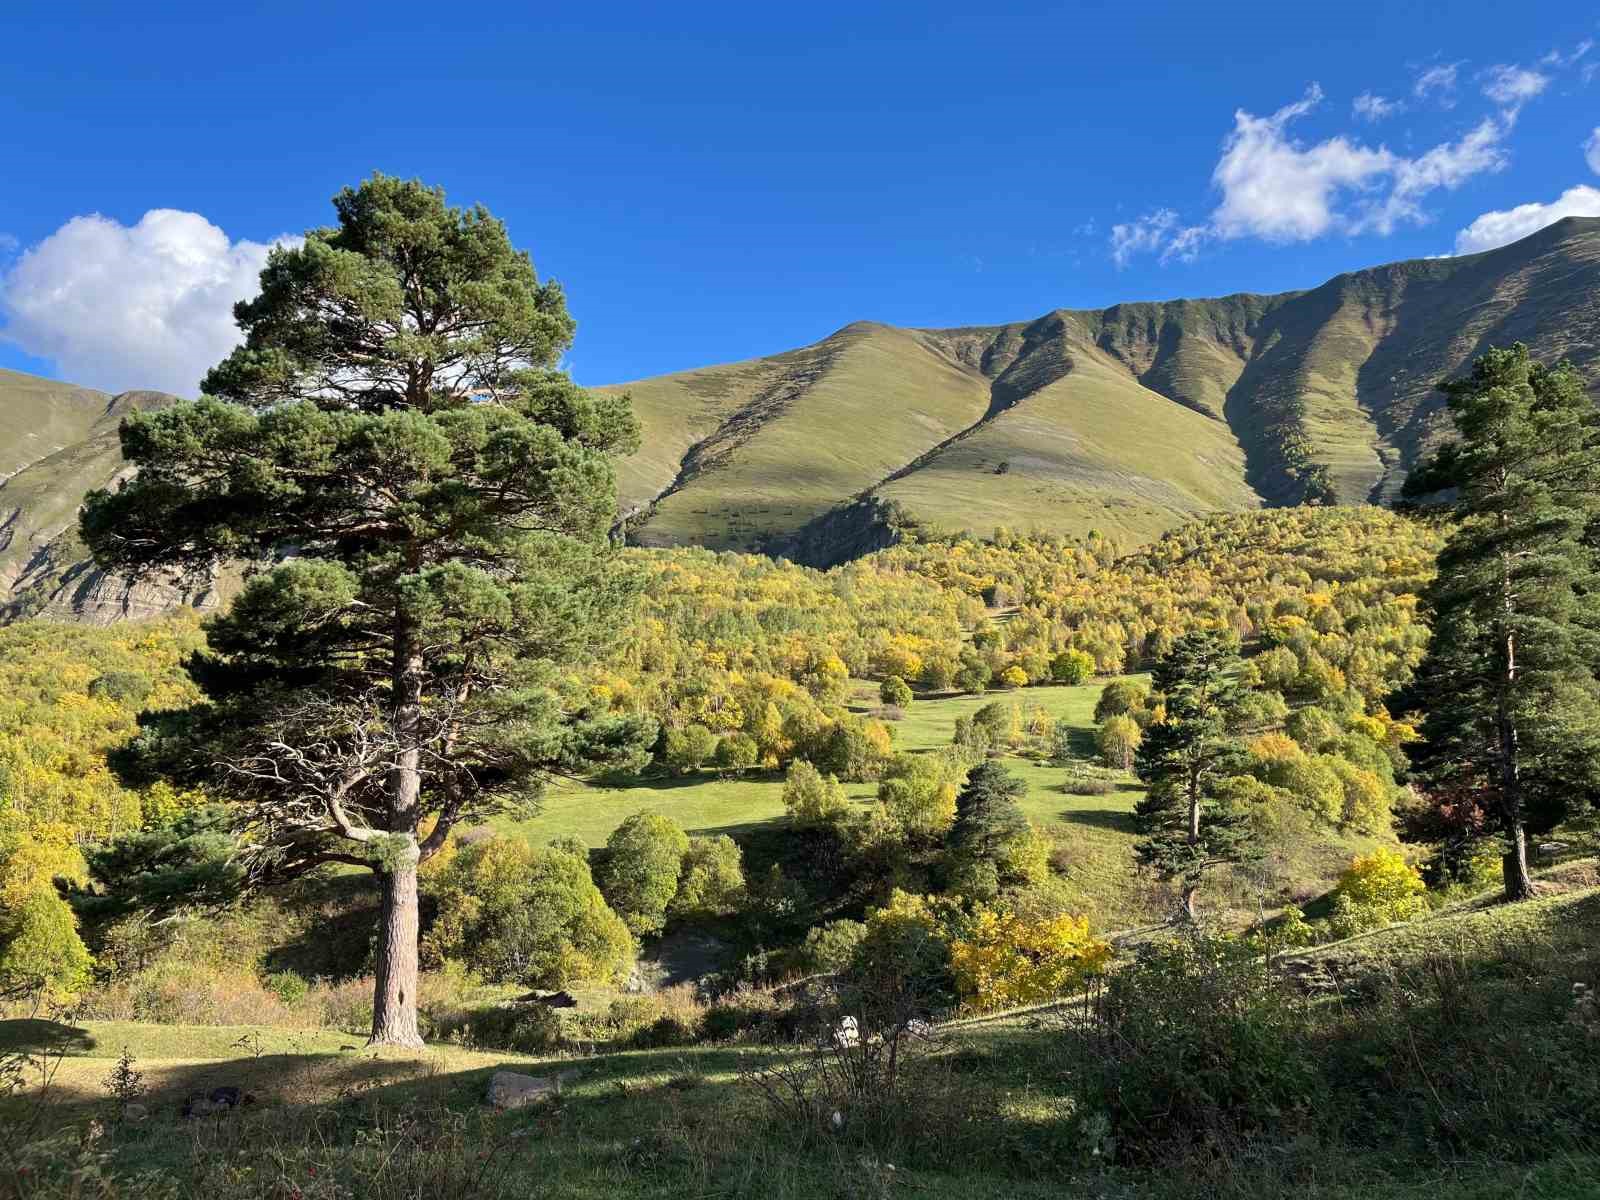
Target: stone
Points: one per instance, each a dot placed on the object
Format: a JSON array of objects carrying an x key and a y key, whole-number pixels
[{"x": 508, "y": 1089}]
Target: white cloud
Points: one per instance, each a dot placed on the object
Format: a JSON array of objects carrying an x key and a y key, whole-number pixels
[
  {"x": 1446, "y": 166},
  {"x": 119, "y": 307},
  {"x": 1437, "y": 81},
  {"x": 1499, "y": 228},
  {"x": 1513, "y": 86},
  {"x": 1276, "y": 189},
  {"x": 1141, "y": 236},
  {"x": 1591, "y": 151},
  {"x": 1375, "y": 108},
  {"x": 1557, "y": 59},
  {"x": 1281, "y": 190}
]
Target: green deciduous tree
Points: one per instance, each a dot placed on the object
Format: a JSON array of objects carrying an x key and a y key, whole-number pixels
[
  {"x": 1512, "y": 727},
  {"x": 1118, "y": 740},
  {"x": 1188, "y": 826},
  {"x": 643, "y": 860},
  {"x": 526, "y": 914},
  {"x": 426, "y": 500}
]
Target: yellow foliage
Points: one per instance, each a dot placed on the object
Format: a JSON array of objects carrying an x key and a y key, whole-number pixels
[{"x": 1004, "y": 959}]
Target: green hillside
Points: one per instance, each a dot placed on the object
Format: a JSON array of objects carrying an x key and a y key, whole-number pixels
[{"x": 1125, "y": 420}]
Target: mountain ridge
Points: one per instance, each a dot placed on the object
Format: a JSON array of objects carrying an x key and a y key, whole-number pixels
[
  {"x": 1325, "y": 394},
  {"x": 1126, "y": 420}
]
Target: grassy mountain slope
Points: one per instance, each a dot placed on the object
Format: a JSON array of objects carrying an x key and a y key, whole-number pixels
[
  {"x": 56, "y": 443},
  {"x": 1126, "y": 419}
]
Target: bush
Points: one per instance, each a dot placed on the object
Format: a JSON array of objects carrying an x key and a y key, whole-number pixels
[
  {"x": 1195, "y": 1043},
  {"x": 814, "y": 800},
  {"x": 40, "y": 950},
  {"x": 1004, "y": 958},
  {"x": 1071, "y": 667},
  {"x": 517, "y": 1028},
  {"x": 895, "y": 692},
  {"x": 711, "y": 883},
  {"x": 1377, "y": 889},
  {"x": 1014, "y": 677},
  {"x": 830, "y": 947},
  {"x": 1118, "y": 740},
  {"x": 736, "y": 754},
  {"x": 288, "y": 987},
  {"x": 644, "y": 857},
  {"x": 688, "y": 748},
  {"x": 526, "y": 914}
]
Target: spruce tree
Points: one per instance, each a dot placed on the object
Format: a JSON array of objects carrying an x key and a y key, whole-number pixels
[
  {"x": 1188, "y": 827},
  {"x": 423, "y": 500},
  {"x": 1512, "y": 729}
]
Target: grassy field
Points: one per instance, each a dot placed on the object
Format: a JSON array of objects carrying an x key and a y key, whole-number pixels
[
  {"x": 330, "y": 1118},
  {"x": 1095, "y": 833}
]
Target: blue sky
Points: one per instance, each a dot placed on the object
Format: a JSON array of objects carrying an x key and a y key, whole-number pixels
[{"x": 712, "y": 182}]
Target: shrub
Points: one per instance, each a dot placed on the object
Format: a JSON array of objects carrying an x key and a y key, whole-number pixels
[
  {"x": 1071, "y": 667},
  {"x": 518, "y": 1028},
  {"x": 830, "y": 947},
  {"x": 1118, "y": 740},
  {"x": 1014, "y": 677},
  {"x": 1004, "y": 958},
  {"x": 736, "y": 754},
  {"x": 40, "y": 950},
  {"x": 1377, "y": 889},
  {"x": 1195, "y": 1042},
  {"x": 644, "y": 857},
  {"x": 1120, "y": 696},
  {"x": 526, "y": 914},
  {"x": 895, "y": 692},
  {"x": 711, "y": 883},
  {"x": 688, "y": 748},
  {"x": 813, "y": 799},
  {"x": 287, "y": 986}
]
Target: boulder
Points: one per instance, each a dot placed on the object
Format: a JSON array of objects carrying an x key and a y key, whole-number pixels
[{"x": 508, "y": 1089}]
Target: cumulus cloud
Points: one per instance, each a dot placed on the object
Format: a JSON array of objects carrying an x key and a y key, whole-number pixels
[
  {"x": 1512, "y": 86},
  {"x": 1437, "y": 81},
  {"x": 1499, "y": 228},
  {"x": 142, "y": 306},
  {"x": 1591, "y": 151},
  {"x": 1370, "y": 107},
  {"x": 1279, "y": 189}
]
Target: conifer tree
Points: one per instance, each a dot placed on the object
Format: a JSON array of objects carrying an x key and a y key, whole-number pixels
[
  {"x": 424, "y": 500},
  {"x": 1512, "y": 732},
  {"x": 1187, "y": 825}
]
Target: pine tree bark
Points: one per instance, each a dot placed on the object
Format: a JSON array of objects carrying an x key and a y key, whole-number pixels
[
  {"x": 1514, "y": 864},
  {"x": 394, "y": 1001}
]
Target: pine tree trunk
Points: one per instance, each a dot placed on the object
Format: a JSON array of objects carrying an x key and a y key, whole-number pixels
[
  {"x": 394, "y": 1000},
  {"x": 1514, "y": 864}
]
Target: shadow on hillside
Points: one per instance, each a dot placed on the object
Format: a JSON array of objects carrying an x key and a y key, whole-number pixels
[
  {"x": 1118, "y": 819},
  {"x": 35, "y": 1035},
  {"x": 622, "y": 781}
]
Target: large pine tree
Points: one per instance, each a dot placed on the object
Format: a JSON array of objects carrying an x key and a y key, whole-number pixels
[
  {"x": 1512, "y": 731},
  {"x": 424, "y": 500},
  {"x": 1187, "y": 824}
]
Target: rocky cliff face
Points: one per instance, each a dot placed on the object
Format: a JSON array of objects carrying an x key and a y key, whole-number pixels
[{"x": 56, "y": 443}]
